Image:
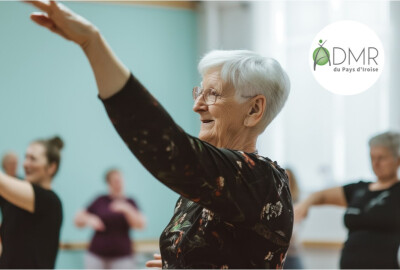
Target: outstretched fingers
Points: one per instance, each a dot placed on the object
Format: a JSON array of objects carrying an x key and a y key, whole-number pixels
[
  {"x": 154, "y": 263},
  {"x": 43, "y": 20},
  {"x": 43, "y": 6}
]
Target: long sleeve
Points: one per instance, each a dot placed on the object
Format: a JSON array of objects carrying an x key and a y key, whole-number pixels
[{"x": 232, "y": 183}]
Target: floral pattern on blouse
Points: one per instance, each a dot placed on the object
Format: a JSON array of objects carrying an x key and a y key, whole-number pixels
[{"x": 235, "y": 208}]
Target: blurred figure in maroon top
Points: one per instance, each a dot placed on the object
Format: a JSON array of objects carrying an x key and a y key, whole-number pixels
[{"x": 111, "y": 216}]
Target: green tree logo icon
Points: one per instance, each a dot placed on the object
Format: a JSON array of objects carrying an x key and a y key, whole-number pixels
[{"x": 321, "y": 55}]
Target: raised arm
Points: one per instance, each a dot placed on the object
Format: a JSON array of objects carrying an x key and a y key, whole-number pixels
[
  {"x": 110, "y": 72},
  {"x": 330, "y": 196},
  {"x": 17, "y": 192}
]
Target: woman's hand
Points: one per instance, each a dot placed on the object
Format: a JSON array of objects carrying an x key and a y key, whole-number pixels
[
  {"x": 96, "y": 223},
  {"x": 135, "y": 219},
  {"x": 61, "y": 20},
  {"x": 120, "y": 206},
  {"x": 157, "y": 262},
  {"x": 111, "y": 74},
  {"x": 84, "y": 218}
]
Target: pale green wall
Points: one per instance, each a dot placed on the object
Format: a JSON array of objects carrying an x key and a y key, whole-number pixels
[{"x": 47, "y": 88}]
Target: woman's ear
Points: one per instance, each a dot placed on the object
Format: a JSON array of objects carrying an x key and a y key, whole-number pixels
[
  {"x": 256, "y": 111},
  {"x": 52, "y": 168}
]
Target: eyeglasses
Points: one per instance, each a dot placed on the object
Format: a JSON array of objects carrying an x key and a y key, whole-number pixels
[{"x": 210, "y": 95}]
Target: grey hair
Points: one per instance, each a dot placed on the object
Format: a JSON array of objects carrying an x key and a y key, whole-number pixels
[
  {"x": 251, "y": 74},
  {"x": 390, "y": 140}
]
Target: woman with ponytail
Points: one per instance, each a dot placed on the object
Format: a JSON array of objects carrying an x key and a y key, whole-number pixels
[{"x": 31, "y": 211}]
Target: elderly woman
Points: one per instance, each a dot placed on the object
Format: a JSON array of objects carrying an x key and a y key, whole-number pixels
[
  {"x": 235, "y": 208},
  {"x": 373, "y": 209}
]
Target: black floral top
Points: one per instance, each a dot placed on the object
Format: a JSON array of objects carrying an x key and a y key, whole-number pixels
[{"x": 235, "y": 209}]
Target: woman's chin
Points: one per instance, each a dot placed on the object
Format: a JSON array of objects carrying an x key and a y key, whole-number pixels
[
  {"x": 31, "y": 179},
  {"x": 28, "y": 179},
  {"x": 206, "y": 137}
]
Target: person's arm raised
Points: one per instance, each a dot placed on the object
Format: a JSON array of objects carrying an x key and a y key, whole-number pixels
[
  {"x": 17, "y": 192},
  {"x": 110, "y": 73}
]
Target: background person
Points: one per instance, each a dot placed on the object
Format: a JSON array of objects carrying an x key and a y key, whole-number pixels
[
  {"x": 111, "y": 216},
  {"x": 293, "y": 259},
  {"x": 10, "y": 164},
  {"x": 31, "y": 211},
  {"x": 372, "y": 209}
]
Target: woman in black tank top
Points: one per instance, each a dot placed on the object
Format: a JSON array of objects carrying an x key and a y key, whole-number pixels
[{"x": 373, "y": 209}]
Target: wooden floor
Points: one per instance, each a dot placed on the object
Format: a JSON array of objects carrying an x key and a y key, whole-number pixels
[
  {"x": 313, "y": 257},
  {"x": 320, "y": 258}
]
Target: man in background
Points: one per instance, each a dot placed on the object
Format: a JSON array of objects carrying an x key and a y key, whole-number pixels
[{"x": 10, "y": 164}]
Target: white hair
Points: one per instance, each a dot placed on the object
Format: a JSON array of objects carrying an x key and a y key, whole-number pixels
[
  {"x": 390, "y": 140},
  {"x": 251, "y": 74}
]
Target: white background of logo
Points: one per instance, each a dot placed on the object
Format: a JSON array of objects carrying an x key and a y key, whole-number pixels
[{"x": 353, "y": 35}]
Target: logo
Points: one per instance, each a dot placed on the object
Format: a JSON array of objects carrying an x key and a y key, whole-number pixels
[
  {"x": 346, "y": 58},
  {"x": 321, "y": 55}
]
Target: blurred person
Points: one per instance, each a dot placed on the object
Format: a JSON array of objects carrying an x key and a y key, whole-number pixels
[
  {"x": 293, "y": 259},
  {"x": 31, "y": 211},
  {"x": 235, "y": 208},
  {"x": 111, "y": 216},
  {"x": 10, "y": 164},
  {"x": 372, "y": 209}
]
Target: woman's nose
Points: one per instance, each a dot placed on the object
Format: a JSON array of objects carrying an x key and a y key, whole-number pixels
[{"x": 199, "y": 104}]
